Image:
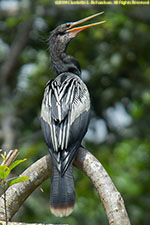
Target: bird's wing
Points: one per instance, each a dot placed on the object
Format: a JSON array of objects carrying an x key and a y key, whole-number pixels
[{"x": 65, "y": 116}]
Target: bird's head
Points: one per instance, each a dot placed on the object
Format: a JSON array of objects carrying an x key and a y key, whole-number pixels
[
  {"x": 59, "y": 39},
  {"x": 65, "y": 32}
]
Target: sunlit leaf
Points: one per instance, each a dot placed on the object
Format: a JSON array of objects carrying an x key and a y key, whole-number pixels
[
  {"x": 4, "y": 171},
  {"x": 16, "y": 163},
  {"x": 18, "y": 180},
  {"x": 3, "y": 157}
]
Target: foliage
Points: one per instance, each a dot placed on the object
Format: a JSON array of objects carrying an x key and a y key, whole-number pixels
[
  {"x": 114, "y": 58},
  {"x": 5, "y": 171},
  {"x": 6, "y": 182}
]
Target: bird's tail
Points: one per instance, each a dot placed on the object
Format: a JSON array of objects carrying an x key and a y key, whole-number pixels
[{"x": 62, "y": 194}]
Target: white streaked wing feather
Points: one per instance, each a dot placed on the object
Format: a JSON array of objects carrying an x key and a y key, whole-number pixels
[
  {"x": 78, "y": 101},
  {"x": 64, "y": 134},
  {"x": 70, "y": 92},
  {"x": 67, "y": 131},
  {"x": 60, "y": 135}
]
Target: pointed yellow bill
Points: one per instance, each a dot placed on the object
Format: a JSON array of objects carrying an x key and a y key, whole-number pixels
[{"x": 76, "y": 30}]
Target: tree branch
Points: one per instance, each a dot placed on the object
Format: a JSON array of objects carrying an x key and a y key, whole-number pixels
[
  {"x": 7, "y": 76},
  {"x": 41, "y": 170},
  {"x": 7, "y": 124},
  {"x": 111, "y": 199},
  {"x": 10, "y": 158},
  {"x": 7, "y": 69},
  {"x": 16, "y": 223}
]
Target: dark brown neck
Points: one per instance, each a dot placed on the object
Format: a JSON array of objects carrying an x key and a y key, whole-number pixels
[{"x": 62, "y": 62}]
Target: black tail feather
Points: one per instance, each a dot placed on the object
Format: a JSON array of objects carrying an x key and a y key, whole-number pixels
[{"x": 62, "y": 194}]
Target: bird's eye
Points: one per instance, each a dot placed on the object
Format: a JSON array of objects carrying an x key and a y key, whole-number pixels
[
  {"x": 61, "y": 33},
  {"x": 68, "y": 25}
]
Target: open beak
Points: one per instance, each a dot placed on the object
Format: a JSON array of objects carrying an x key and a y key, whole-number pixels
[{"x": 75, "y": 30}]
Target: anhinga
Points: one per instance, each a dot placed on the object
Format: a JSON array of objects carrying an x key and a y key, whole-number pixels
[{"x": 64, "y": 115}]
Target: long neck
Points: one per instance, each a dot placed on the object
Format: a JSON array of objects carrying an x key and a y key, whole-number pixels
[{"x": 61, "y": 62}]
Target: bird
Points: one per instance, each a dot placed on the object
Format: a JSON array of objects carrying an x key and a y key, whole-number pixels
[{"x": 65, "y": 115}]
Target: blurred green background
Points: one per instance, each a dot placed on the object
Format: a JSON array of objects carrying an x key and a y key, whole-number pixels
[{"x": 115, "y": 62}]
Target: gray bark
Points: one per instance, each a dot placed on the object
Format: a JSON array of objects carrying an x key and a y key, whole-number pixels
[{"x": 16, "y": 223}]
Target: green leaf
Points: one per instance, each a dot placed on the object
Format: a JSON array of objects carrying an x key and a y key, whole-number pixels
[
  {"x": 18, "y": 180},
  {"x": 4, "y": 171},
  {"x": 12, "y": 178},
  {"x": 16, "y": 163},
  {"x": 4, "y": 158}
]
